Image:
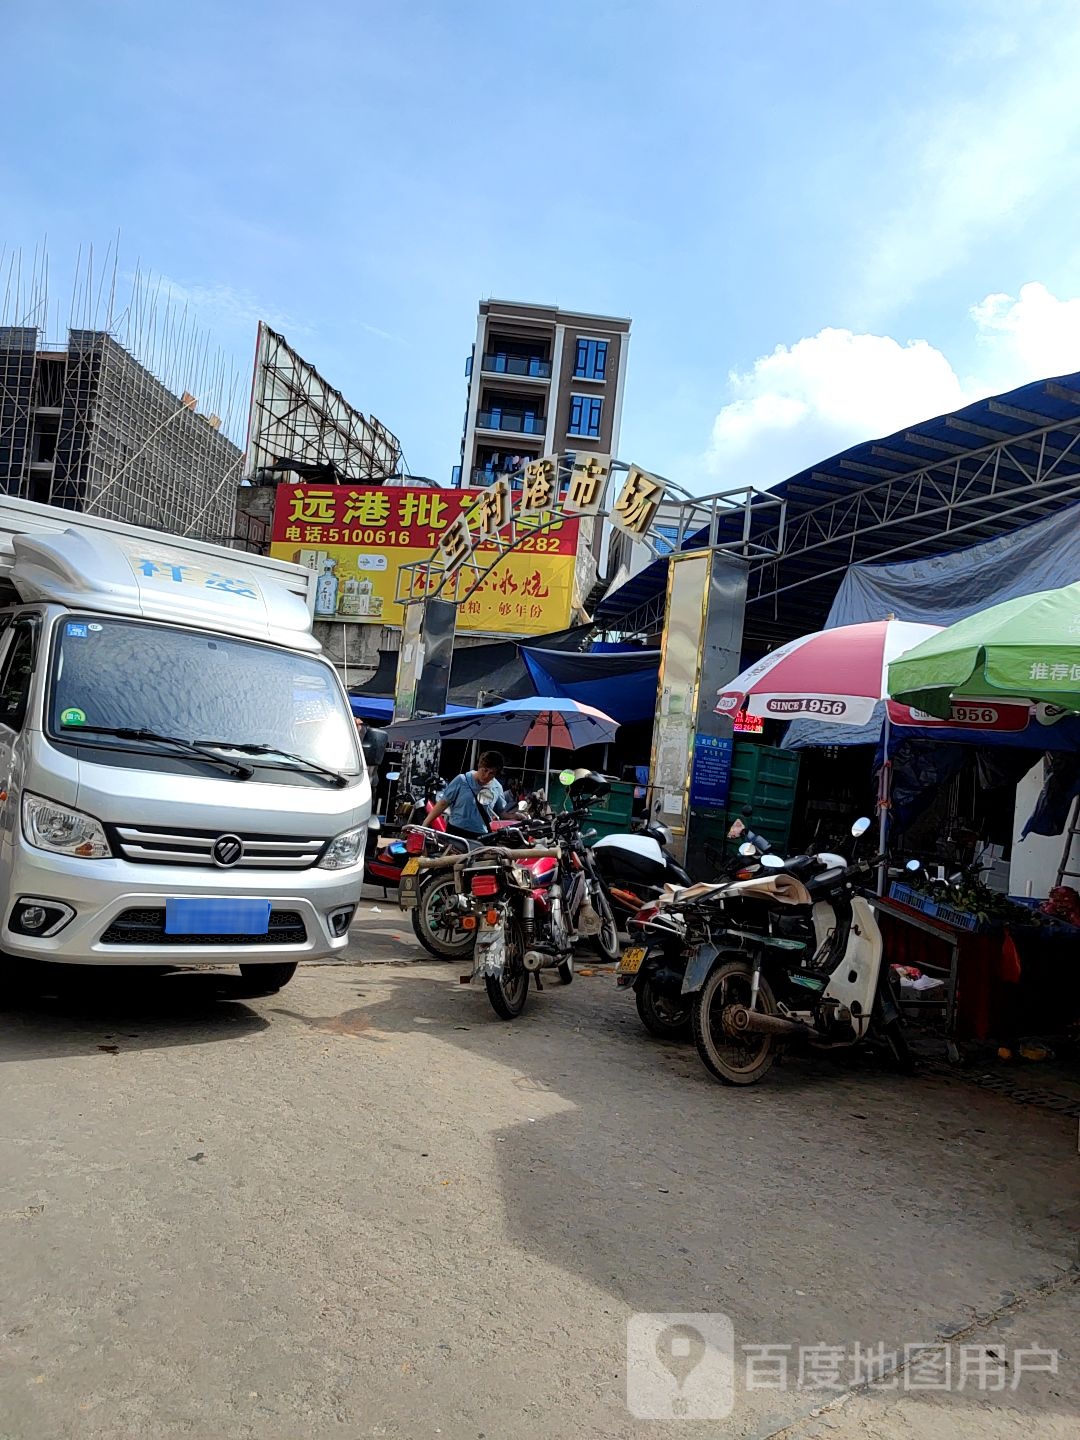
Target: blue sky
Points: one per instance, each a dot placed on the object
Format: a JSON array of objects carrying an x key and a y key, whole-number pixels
[{"x": 825, "y": 219}]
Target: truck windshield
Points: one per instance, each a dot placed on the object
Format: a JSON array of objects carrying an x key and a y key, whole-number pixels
[{"x": 126, "y": 675}]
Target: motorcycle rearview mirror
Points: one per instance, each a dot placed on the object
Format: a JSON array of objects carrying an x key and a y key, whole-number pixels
[
  {"x": 860, "y": 827},
  {"x": 523, "y": 805},
  {"x": 912, "y": 866},
  {"x": 486, "y": 796},
  {"x": 748, "y": 850},
  {"x": 772, "y": 862},
  {"x": 566, "y": 777}
]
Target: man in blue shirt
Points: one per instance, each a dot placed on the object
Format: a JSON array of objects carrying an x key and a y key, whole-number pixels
[{"x": 469, "y": 815}]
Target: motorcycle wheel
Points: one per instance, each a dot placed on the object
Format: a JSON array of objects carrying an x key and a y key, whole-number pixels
[
  {"x": 732, "y": 1059},
  {"x": 606, "y": 944},
  {"x": 566, "y": 971},
  {"x": 509, "y": 991},
  {"x": 437, "y": 925},
  {"x": 662, "y": 1016},
  {"x": 893, "y": 1035}
]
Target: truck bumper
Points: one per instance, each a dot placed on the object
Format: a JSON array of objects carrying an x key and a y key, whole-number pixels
[{"x": 118, "y": 912}]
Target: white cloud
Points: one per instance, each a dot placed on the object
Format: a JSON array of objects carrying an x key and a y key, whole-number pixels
[
  {"x": 1033, "y": 335},
  {"x": 804, "y": 402}
]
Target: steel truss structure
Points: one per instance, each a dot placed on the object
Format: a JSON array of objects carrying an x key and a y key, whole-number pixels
[
  {"x": 434, "y": 579},
  {"x": 297, "y": 416},
  {"x": 948, "y": 483}
]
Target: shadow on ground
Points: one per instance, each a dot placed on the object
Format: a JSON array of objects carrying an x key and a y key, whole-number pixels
[
  {"x": 845, "y": 1202},
  {"x": 56, "y": 1013}
]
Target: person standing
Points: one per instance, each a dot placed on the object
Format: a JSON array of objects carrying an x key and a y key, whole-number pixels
[{"x": 470, "y": 816}]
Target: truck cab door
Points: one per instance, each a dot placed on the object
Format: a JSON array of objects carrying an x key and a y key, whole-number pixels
[{"x": 18, "y": 653}]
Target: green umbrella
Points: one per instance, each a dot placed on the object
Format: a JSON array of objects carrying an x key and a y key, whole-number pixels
[{"x": 1028, "y": 648}]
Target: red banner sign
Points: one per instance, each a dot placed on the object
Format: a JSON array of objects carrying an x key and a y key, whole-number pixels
[{"x": 1009, "y": 716}]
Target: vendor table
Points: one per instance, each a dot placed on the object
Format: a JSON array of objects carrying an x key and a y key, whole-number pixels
[{"x": 940, "y": 930}]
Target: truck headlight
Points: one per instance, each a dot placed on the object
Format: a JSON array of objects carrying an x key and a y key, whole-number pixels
[
  {"x": 345, "y": 849},
  {"x": 49, "y": 826}
]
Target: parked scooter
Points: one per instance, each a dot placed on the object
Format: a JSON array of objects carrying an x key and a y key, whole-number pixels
[
  {"x": 655, "y": 962},
  {"x": 527, "y": 909},
  {"x": 636, "y": 867},
  {"x": 388, "y": 854},
  {"x": 754, "y": 989}
]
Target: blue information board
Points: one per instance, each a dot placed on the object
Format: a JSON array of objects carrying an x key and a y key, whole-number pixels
[{"x": 710, "y": 776}]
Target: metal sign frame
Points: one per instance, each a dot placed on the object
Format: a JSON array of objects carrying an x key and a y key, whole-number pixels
[{"x": 435, "y": 578}]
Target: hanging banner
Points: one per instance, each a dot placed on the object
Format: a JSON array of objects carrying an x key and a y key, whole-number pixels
[{"x": 357, "y": 537}]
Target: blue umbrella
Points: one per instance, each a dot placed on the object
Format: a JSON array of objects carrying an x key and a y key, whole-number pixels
[{"x": 548, "y": 720}]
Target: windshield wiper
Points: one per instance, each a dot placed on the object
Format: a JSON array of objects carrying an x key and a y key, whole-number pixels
[
  {"x": 245, "y": 749},
  {"x": 186, "y": 747}
]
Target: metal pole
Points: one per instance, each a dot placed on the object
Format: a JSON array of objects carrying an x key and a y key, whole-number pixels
[{"x": 883, "y": 805}]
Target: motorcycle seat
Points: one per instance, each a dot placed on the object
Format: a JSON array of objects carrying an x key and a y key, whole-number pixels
[
  {"x": 802, "y": 865},
  {"x": 818, "y": 884}
]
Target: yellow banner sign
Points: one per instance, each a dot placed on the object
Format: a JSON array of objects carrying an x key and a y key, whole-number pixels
[{"x": 357, "y": 538}]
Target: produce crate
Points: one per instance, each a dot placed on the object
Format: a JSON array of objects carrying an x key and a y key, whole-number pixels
[
  {"x": 958, "y": 919},
  {"x": 609, "y": 816}
]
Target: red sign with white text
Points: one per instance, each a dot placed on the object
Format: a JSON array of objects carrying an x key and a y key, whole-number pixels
[{"x": 1008, "y": 716}]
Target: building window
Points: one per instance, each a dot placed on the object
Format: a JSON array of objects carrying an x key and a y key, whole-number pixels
[
  {"x": 585, "y": 415},
  {"x": 591, "y": 360}
]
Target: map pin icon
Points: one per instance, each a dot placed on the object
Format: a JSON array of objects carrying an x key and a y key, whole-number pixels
[{"x": 680, "y": 1349}]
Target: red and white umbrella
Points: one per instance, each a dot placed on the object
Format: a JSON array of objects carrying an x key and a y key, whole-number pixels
[{"x": 837, "y": 675}]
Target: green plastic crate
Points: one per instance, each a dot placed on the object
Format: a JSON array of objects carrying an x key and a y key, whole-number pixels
[
  {"x": 609, "y": 816},
  {"x": 763, "y": 777}
]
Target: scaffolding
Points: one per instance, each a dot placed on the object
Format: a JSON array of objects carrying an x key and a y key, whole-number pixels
[
  {"x": 111, "y": 428},
  {"x": 89, "y": 428},
  {"x": 296, "y": 416}
]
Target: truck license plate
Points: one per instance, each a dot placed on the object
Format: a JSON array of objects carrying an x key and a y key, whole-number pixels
[{"x": 217, "y": 916}]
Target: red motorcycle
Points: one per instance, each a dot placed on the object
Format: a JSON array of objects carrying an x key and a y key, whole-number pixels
[
  {"x": 515, "y": 908},
  {"x": 387, "y": 857}
]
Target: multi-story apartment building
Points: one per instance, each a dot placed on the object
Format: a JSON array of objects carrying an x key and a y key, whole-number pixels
[{"x": 541, "y": 381}]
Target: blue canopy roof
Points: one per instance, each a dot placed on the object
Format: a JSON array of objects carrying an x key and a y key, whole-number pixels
[{"x": 995, "y": 420}]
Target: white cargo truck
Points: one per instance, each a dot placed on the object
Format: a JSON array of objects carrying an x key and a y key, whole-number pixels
[{"x": 180, "y": 777}]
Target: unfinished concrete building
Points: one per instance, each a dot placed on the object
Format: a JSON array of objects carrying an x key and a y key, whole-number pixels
[{"x": 86, "y": 426}]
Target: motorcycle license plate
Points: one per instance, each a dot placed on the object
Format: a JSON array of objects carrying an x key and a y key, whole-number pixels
[
  {"x": 408, "y": 892},
  {"x": 411, "y": 867},
  {"x": 630, "y": 963}
]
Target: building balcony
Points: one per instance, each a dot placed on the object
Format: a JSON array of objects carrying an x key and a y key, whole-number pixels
[
  {"x": 514, "y": 422},
  {"x": 523, "y": 367}
]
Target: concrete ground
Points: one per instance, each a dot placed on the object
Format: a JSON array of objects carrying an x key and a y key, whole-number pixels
[{"x": 367, "y": 1207}]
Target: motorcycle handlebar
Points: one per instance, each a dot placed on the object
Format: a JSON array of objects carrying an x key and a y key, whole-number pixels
[{"x": 447, "y": 862}]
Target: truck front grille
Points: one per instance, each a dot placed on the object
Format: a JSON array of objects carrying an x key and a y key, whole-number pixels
[
  {"x": 196, "y": 847},
  {"x": 147, "y": 927}
]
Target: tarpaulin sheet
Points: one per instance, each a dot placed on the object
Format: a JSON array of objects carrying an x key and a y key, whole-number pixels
[
  {"x": 945, "y": 588},
  {"x": 948, "y": 587},
  {"x": 623, "y": 685}
]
